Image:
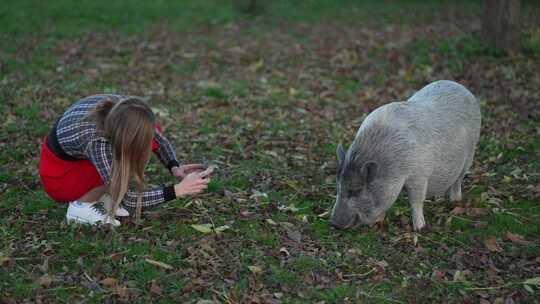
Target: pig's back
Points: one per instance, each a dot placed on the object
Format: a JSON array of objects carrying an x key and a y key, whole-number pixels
[
  {"x": 446, "y": 97},
  {"x": 445, "y": 110},
  {"x": 445, "y": 126}
]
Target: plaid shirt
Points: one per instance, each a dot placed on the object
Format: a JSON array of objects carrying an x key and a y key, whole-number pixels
[{"x": 78, "y": 138}]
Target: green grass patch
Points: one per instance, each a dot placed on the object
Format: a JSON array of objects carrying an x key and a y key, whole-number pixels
[
  {"x": 284, "y": 276},
  {"x": 216, "y": 92},
  {"x": 335, "y": 294}
]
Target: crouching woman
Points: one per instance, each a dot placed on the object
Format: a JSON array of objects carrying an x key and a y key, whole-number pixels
[{"x": 101, "y": 145}]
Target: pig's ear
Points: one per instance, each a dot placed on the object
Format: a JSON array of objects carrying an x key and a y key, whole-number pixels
[
  {"x": 340, "y": 155},
  {"x": 369, "y": 171}
]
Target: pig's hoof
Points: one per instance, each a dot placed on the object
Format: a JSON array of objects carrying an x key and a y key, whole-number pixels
[
  {"x": 419, "y": 225},
  {"x": 380, "y": 225},
  {"x": 455, "y": 197},
  {"x": 454, "y": 194},
  {"x": 419, "y": 228},
  {"x": 426, "y": 228},
  {"x": 418, "y": 222}
]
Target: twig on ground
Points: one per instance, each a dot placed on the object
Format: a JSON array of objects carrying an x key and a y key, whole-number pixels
[
  {"x": 223, "y": 295},
  {"x": 493, "y": 287},
  {"x": 93, "y": 284},
  {"x": 359, "y": 275},
  {"x": 380, "y": 297}
]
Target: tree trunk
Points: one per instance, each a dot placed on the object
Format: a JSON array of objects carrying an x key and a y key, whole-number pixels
[
  {"x": 500, "y": 26},
  {"x": 250, "y": 7}
]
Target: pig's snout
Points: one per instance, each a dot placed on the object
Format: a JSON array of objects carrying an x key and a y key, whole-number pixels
[{"x": 334, "y": 222}]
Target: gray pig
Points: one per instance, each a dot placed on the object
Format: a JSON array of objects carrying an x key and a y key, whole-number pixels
[{"x": 425, "y": 145}]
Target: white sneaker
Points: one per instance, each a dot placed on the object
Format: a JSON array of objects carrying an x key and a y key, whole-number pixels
[
  {"x": 121, "y": 211},
  {"x": 89, "y": 213}
]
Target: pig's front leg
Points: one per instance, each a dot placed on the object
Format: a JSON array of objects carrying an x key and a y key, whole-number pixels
[{"x": 417, "y": 196}]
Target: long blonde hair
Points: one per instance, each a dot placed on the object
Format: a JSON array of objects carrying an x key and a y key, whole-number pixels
[{"x": 129, "y": 126}]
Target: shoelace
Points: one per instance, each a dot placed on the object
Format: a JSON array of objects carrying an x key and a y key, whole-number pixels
[{"x": 99, "y": 207}]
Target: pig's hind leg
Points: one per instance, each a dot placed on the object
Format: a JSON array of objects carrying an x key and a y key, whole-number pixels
[
  {"x": 454, "y": 193},
  {"x": 417, "y": 195}
]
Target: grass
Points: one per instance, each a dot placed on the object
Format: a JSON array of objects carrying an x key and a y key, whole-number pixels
[{"x": 266, "y": 95}]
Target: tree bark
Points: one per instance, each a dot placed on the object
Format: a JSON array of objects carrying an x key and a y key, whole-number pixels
[{"x": 500, "y": 25}]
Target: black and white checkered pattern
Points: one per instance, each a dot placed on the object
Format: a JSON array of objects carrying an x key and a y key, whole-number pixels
[{"x": 77, "y": 137}]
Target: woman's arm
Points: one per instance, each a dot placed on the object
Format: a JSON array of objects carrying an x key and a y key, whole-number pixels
[
  {"x": 166, "y": 155},
  {"x": 99, "y": 152},
  {"x": 165, "y": 152}
]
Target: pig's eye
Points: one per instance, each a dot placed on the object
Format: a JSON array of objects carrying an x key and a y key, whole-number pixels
[
  {"x": 338, "y": 172},
  {"x": 353, "y": 192}
]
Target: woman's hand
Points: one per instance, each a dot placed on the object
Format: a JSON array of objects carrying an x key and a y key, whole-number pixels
[
  {"x": 193, "y": 183},
  {"x": 182, "y": 171}
]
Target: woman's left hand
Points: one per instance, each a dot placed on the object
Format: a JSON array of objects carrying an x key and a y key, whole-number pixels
[{"x": 181, "y": 171}]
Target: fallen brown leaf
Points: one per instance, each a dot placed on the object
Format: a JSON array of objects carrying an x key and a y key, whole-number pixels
[
  {"x": 155, "y": 289},
  {"x": 115, "y": 257},
  {"x": 271, "y": 222},
  {"x": 44, "y": 281},
  {"x": 516, "y": 238},
  {"x": 325, "y": 214},
  {"x": 492, "y": 245},
  {"x": 499, "y": 301},
  {"x": 255, "y": 269},
  {"x": 45, "y": 266},
  {"x": 382, "y": 264},
  {"x": 6, "y": 261},
  {"x": 509, "y": 300},
  {"x": 437, "y": 275},
  {"x": 469, "y": 211},
  {"x": 458, "y": 211},
  {"x": 294, "y": 235},
  {"x": 228, "y": 194},
  {"x": 159, "y": 264},
  {"x": 532, "y": 281},
  {"x": 122, "y": 292},
  {"x": 112, "y": 282},
  {"x": 188, "y": 288},
  {"x": 284, "y": 252},
  {"x": 245, "y": 213},
  {"x": 458, "y": 276},
  {"x": 477, "y": 211}
]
